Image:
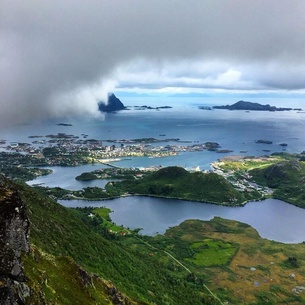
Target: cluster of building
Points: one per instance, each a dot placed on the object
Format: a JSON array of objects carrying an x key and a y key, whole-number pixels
[
  {"x": 62, "y": 148},
  {"x": 242, "y": 181}
]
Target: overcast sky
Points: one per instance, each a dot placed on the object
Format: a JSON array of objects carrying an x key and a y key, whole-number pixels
[{"x": 61, "y": 57}]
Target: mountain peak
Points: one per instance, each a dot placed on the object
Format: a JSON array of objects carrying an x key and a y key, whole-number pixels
[{"x": 113, "y": 104}]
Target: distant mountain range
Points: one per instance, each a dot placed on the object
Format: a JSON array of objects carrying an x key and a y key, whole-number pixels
[
  {"x": 243, "y": 105},
  {"x": 113, "y": 104}
]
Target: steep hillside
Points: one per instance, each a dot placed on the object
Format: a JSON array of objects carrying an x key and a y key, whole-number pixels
[
  {"x": 60, "y": 280},
  {"x": 28, "y": 274},
  {"x": 69, "y": 260},
  {"x": 14, "y": 240},
  {"x": 54, "y": 255}
]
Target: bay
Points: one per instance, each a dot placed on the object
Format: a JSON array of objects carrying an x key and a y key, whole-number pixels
[
  {"x": 64, "y": 177},
  {"x": 273, "y": 219}
]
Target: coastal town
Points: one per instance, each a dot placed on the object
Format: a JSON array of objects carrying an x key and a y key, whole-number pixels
[
  {"x": 69, "y": 150},
  {"x": 236, "y": 170},
  {"x": 26, "y": 161}
]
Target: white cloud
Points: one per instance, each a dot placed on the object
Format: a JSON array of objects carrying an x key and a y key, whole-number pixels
[
  {"x": 82, "y": 100},
  {"x": 181, "y": 74},
  {"x": 52, "y": 49}
]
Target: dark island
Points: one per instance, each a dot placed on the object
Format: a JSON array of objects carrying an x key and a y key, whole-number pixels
[
  {"x": 145, "y": 107},
  {"x": 263, "y": 142},
  {"x": 243, "y": 105},
  {"x": 64, "y": 124},
  {"x": 113, "y": 104}
]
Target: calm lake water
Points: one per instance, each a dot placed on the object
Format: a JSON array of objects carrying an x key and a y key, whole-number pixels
[{"x": 273, "y": 219}]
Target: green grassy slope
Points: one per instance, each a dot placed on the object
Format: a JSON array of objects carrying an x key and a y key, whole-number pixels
[
  {"x": 228, "y": 257},
  {"x": 287, "y": 178},
  {"x": 59, "y": 280},
  {"x": 62, "y": 233}
]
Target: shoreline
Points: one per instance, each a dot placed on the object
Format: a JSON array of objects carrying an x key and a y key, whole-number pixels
[
  {"x": 170, "y": 198},
  {"x": 224, "y": 215}
]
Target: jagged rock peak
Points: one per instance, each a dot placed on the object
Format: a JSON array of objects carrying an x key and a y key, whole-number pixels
[{"x": 113, "y": 104}]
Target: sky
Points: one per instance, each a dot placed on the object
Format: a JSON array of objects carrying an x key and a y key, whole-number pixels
[{"x": 60, "y": 58}]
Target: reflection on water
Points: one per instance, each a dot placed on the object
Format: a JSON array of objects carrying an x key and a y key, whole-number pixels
[{"x": 273, "y": 219}]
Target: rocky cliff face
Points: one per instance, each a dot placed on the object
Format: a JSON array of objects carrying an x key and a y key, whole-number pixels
[
  {"x": 14, "y": 240},
  {"x": 16, "y": 287},
  {"x": 116, "y": 296}
]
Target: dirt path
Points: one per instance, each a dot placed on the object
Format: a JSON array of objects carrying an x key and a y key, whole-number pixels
[{"x": 182, "y": 265}]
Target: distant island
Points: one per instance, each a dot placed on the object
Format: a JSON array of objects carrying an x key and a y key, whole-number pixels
[
  {"x": 205, "y": 108},
  {"x": 263, "y": 142},
  {"x": 145, "y": 107},
  {"x": 113, "y": 104},
  {"x": 64, "y": 124},
  {"x": 243, "y": 105}
]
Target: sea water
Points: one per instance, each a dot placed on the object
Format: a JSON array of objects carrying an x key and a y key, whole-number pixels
[
  {"x": 233, "y": 130},
  {"x": 237, "y": 131}
]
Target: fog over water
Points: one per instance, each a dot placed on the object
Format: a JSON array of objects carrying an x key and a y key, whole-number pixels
[{"x": 60, "y": 58}]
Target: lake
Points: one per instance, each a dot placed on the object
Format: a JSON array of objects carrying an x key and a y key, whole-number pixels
[{"x": 273, "y": 219}]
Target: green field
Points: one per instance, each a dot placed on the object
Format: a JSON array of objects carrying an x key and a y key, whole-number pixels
[{"x": 211, "y": 252}]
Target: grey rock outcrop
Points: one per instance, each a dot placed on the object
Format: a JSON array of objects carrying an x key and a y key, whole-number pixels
[
  {"x": 14, "y": 230},
  {"x": 116, "y": 296}
]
